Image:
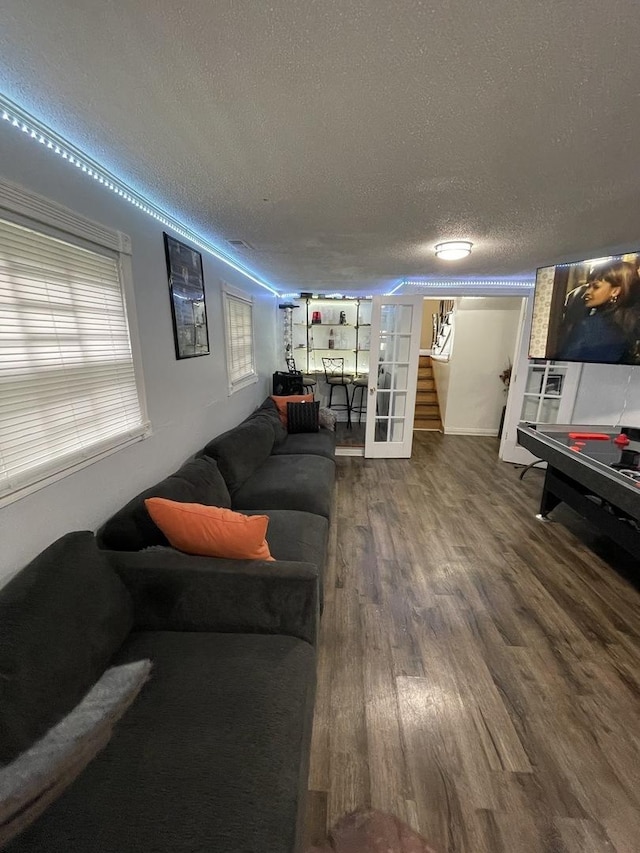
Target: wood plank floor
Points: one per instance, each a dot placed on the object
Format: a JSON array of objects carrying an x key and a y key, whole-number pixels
[
  {"x": 353, "y": 437},
  {"x": 479, "y": 671}
]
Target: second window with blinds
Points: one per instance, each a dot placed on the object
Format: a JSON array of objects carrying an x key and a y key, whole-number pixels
[{"x": 238, "y": 322}]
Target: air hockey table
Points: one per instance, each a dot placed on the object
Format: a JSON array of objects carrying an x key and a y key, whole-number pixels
[{"x": 593, "y": 469}]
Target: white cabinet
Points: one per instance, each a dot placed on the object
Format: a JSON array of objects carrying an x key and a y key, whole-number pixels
[{"x": 540, "y": 392}]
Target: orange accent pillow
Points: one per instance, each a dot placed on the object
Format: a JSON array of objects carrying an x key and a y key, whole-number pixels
[
  {"x": 281, "y": 403},
  {"x": 211, "y": 531}
]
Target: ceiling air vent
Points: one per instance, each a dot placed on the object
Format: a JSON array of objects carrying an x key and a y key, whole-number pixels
[{"x": 239, "y": 244}]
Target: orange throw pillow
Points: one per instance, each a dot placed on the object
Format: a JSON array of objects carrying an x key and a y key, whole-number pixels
[
  {"x": 211, "y": 531},
  {"x": 281, "y": 403}
]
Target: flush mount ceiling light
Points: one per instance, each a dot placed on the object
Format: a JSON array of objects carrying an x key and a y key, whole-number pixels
[{"x": 453, "y": 250}]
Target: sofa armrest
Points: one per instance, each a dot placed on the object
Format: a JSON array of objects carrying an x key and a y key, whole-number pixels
[{"x": 173, "y": 591}]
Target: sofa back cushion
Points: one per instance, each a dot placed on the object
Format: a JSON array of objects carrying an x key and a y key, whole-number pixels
[
  {"x": 269, "y": 413},
  {"x": 240, "y": 451},
  {"x": 132, "y": 529},
  {"x": 62, "y": 618}
]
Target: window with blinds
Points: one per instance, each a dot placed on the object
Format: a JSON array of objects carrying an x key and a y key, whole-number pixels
[
  {"x": 238, "y": 312},
  {"x": 68, "y": 390}
]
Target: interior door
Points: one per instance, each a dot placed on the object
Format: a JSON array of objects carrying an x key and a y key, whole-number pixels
[
  {"x": 540, "y": 392},
  {"x": 393, "y": 375}
]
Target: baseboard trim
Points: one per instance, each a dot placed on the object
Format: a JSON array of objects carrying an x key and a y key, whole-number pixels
[{"x": 471, "y": 431}]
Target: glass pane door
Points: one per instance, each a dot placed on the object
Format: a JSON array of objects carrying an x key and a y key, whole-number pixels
[{"x": 395, "y": 346}]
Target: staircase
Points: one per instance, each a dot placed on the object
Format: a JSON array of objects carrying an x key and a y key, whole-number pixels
[{"x": 427, "y": 415}]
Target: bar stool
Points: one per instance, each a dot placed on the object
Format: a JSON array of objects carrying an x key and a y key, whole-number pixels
[
  {"x": 335, "y": 378},
  {"x": 360, "y": 383},
  {"x": 308, "y": 382}
]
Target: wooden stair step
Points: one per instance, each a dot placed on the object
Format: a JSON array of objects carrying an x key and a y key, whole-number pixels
[
  {"x": 427, "y": 411},
  {"x": 426, "y": 384},
  {"x": 426, "y": 396},
  {"x": 433, "y": 424}
]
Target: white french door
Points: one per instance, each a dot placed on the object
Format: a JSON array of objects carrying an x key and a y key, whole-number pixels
[
  {"x": 393, "y": 375},
  {"x": 540, "y": 392}
]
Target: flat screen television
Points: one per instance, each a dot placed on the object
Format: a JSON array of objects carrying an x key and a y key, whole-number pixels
[{"x": 588, "y": 311}]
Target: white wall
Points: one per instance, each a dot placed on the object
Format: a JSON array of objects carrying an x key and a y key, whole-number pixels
[
  {"x": 602, "y": 393},
  {"x": 442, "y": 378},
  {"x": 187, "y": 400},
  {"x": 470, "y": 394}
]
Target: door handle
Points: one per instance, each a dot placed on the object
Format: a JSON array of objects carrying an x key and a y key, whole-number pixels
[{"x": 372, "y": 390}]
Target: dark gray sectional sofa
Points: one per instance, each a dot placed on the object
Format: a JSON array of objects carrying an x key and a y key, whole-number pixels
[
  {"x": 256, "y": 468},
  {"x": 213, "y": 753}
]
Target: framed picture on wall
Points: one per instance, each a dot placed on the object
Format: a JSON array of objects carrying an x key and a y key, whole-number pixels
[{"x": 188, "y": 307}]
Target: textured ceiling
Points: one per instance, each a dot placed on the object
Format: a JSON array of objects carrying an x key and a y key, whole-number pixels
[{"x": 342, "y": 139}]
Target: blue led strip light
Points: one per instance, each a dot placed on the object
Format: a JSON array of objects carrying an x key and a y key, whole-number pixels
[
  {"x": 472, "y": 284},
  {"x": 40, "y": 133}
]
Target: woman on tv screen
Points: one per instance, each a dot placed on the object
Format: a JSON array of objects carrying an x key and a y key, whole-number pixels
[{"x": 601, "y": 320}]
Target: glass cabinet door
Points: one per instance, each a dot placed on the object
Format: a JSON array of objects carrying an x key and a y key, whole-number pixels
[
  {"x": 546, "y": 396},
  {"x": 540, "y": 392},
  {"x": 543, "y": 392}
]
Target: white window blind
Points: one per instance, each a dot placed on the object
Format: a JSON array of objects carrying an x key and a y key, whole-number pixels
[
  {"x": 68, "y": 391},
  {"x": 239, "y": 335}
]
